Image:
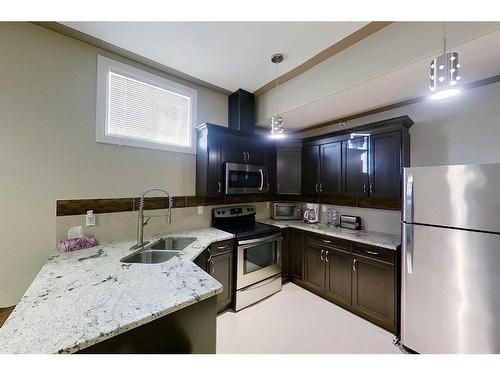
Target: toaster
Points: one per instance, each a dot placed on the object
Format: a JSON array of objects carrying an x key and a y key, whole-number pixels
[{"x": 350, "y": 222}]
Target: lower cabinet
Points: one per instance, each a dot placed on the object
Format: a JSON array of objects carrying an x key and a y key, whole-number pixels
[
  {"x": 285, "y": 254},
  {"x": 296, "y": 249},
  {"x": 361, "y": 279},
  {"x": 218, "y": 262}
]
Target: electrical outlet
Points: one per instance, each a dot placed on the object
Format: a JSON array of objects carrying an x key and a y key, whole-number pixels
[
  {"x": 268, "y": 205},
  {"x": 200, "y": 210}
]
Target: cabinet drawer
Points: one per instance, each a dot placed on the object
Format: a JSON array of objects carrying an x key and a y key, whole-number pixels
[
  {"x": 222, "y": 247},
  {"x": 376, "y": 253},
  {"x": 328, "y": 242}
]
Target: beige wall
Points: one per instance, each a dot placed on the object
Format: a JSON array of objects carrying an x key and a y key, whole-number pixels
[
  {"x": 461, "y": 130},
  {"x": 48, "y": 149}
]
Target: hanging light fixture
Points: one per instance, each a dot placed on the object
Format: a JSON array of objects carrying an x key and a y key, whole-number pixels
[
  {"x": 277, "y": 129},
  {"x": 444, "y": 75}
]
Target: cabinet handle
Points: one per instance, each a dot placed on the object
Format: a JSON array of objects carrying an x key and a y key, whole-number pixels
[
  {"x": 372, "y": 189},
  {"x": 212, "y": 267},
  {"x": 248, "y": 156},
  {"x": 354, "y": 265},
  {"x": 219, "y": 189},
  {"x": 326, "y": 241},
  {"x": 321, "y": 256},
  {"x": 321, "y": 187},
  {"x": 244, "y": 156},
  {"x": 278, "y": 187},
  {"x": 209, "y": 255},
  {"x": 364, "y": 187},
  {"x": 372, "y": 252},
  {"x": 327, "y": 256},
  {"x": 316, "y": 187}
]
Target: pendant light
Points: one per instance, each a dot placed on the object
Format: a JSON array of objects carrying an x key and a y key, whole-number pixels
[
  {"x": 444, "y": 75},
  {"x": 277, "y": 130}
]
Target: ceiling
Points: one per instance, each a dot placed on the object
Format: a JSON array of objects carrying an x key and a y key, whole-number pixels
[{"x": 230, "y": 55}]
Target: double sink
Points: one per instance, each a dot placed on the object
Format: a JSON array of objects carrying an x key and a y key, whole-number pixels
[{"x": 159, "y": 251}]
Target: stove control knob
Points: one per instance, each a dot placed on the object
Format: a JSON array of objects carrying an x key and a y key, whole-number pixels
[
  {"x": 223, "y": 212},
  {"x": 218, "y": 212}
]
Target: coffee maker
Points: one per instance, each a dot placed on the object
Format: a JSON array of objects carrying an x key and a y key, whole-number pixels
[{"x": 311, "y": 213}]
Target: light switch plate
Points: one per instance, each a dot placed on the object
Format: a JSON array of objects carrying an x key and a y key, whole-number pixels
[{"x": 200, "y": 210}]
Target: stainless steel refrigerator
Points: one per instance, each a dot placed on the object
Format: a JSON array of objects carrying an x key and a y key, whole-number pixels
[{"x": 450, "y": 301}]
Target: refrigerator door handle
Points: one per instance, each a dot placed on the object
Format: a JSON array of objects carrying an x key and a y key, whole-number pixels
[
  {"x": 408, "y": 198},
  {"x": 408, "y": 246}
]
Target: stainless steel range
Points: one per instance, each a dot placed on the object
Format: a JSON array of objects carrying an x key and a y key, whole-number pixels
[{"x": 258, "y": 259}]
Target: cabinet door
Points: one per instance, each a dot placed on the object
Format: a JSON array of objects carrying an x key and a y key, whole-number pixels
[
  {"x": 288, "y": 171},
  {"x": 314, "y": 266},
  {"x": 296, "y": 253},
  {"x": 257, "y": 152},
  {"x": 221, "y": 269},
  {"x": 310, "y": 170},
  {"x": 373, "y": 291},
  {"x": 355, "y": 166},
  {"x": 215, "y": 180},
  {"x": 385, "y": 165},
  {"x": 331, "y": 168},
  {"x": 285, "y": 253},
  {"x": 233, "y": 149},
  {"x": 338, "y": 276}
]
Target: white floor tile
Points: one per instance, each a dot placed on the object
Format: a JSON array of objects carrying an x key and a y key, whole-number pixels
[{"x": 295, "y": 321}]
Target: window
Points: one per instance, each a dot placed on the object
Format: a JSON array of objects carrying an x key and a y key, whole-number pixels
[{"x": 140, "y": 109}]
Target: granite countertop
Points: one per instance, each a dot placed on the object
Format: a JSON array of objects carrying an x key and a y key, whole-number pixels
[
  {"x": 385, "y": 240},
  {"x": 84, "y": 297}
]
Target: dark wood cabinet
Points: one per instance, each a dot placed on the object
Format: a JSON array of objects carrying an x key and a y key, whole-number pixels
[
  {"x": 385, "y": 165},
  {"x": 285, "y": 254},
  {"x": 288, "y": 170},
  {"x": 217, "y": 145},
  {"x": 221, "y": 269},
  {"x": 373, "y": 294},
  {"x": 355, "y": 166},
  {"x": 331, "y": 168},
  {"x": 314, "y": 265},
  {"x": 296, "y": 253},
  {"x": 310, "y": 170},
  {"x": 338, "y": 276},
  {"x": 359, "y": 278},
  {"x": 218, "y": 262}
]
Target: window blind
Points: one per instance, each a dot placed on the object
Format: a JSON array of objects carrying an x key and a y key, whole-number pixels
[{"x": 141, "y": 111}]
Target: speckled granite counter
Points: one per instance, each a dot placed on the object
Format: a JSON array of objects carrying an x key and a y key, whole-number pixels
[
  {"x": 81, "y": 298},
  {"x": 385, "y": 240}
]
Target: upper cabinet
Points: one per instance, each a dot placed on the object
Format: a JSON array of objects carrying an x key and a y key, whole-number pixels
[
  {"x": 217, "y": 145},
  {"x": 288, "y": 170},
  {"x": 363, "y": 162}
]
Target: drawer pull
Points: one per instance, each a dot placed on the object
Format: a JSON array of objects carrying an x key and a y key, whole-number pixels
[
  {"x": 372, "y": 252},
  {"x": 222, "y": 247},
  {"x": 354, "y": 265},
  {"x": 321, "y": 255},
  {"x": 326, "y": 241}
]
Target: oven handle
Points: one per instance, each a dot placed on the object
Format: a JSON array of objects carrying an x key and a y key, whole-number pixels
[
  {"x": 263, "y": 239},
  {"x": 262, "y": 283}
]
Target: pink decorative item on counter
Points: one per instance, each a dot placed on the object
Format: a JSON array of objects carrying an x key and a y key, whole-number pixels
[{"x": 72, "y": 244}]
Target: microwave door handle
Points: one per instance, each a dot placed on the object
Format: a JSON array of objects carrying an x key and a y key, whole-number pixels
[{"x": 261, "y": 179}]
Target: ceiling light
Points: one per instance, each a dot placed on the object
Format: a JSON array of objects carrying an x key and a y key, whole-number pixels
[
  {"x": 277, "y": 129},
  {"x": 443, "y": 85}
]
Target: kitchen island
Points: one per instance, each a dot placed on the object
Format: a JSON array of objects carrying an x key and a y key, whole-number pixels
[{"x": 86, "y": 297}]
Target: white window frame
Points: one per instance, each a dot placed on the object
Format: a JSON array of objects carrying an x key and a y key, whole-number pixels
[{"x": 104, "y": 66}]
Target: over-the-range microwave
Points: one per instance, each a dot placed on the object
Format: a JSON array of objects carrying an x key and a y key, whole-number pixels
[
  {"x": 286, "y": 211},
  {"x": 246, "y": 179}
]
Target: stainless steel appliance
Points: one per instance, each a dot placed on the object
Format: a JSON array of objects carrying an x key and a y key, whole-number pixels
[
  {"x": 286, "y": 211},
  {"x": 246, "y": 179},
  {"x": 450, "y": 259},
  {"x": 258, "y": 258},
  {"x": 350, "y": 222},
  {"x": 311, "y": 213}
]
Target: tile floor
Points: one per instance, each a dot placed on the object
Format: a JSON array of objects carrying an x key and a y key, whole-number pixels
[{"x": 295, "y": 321}]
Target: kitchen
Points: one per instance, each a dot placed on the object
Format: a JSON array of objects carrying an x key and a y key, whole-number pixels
[{"x": 171, "y": 208}]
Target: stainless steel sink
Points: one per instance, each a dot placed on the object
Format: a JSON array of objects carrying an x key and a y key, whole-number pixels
[
  {"x": 160, "y": 251},
  {"x": 150, "y": 256},
  {"x": 172, "y": 243}
]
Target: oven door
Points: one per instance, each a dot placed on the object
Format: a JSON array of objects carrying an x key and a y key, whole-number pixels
[
  {"x": 245, "y": 179},
  {"x": 258, "y": 259}
]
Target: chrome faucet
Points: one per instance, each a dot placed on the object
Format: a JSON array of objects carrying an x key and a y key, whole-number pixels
[{"x": 140, "y": 221}]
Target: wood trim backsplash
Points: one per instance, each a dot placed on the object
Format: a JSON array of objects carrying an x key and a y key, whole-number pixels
[{"x": 67, "y": 207}]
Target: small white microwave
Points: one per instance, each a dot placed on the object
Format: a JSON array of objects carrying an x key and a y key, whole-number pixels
[{"x": 286, "y": 211}]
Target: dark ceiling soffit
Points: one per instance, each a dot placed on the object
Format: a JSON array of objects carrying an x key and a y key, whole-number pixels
[
  {"x": 82, "y": 37},
  {"x": 334, "y": 49},
  {"x": 468, "y": 86}
]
